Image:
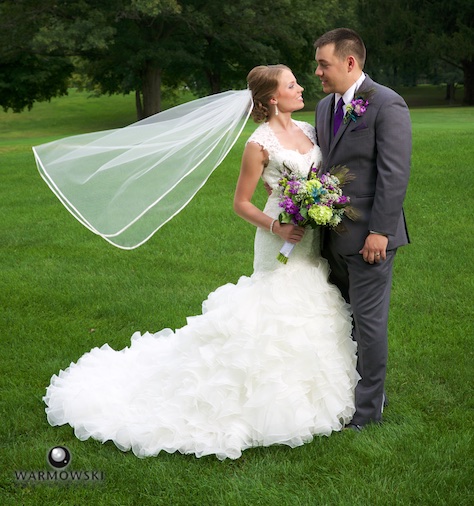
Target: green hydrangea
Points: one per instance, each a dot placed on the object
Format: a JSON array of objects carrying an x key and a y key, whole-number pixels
[
  {"x": 320, "y": 214},
  {"x": 313, "y": 184}
]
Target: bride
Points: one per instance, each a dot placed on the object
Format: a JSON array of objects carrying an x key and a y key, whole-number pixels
[{"x": 269, "y": 361}]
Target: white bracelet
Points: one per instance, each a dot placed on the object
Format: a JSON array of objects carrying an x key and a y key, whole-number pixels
[{"x": 271, "y": 227}]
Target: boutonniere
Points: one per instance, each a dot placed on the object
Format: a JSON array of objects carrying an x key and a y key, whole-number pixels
[{"x": 357, "y": 107}]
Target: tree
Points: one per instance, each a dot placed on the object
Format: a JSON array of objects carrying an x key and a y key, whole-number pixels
[
  {"x": 139, "y": 46},
  {"x": 26, "y": 76},
  {"x": 407, "y": 39},
  {"x": 450, "y": 29},
  {"x": 123, "y": 45},
  {"x": 235, "y": 36},
  {"x": 390, "y": 33}
]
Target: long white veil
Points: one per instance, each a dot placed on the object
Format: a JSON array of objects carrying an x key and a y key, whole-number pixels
[{"x": 125, "y": 184}]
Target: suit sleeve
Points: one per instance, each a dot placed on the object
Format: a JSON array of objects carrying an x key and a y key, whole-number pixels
[{"x": 393, "y": 144}]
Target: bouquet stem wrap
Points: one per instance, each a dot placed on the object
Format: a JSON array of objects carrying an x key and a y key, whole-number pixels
[{"x": 285, "y": 252}]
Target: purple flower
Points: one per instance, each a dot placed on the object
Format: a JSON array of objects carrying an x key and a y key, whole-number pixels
[
  {"x": 294, "y": 187},
  {"x": 297, "y": 218},
  {"x": 289, "y": 206},
  {"x": 343, "y": 199}
]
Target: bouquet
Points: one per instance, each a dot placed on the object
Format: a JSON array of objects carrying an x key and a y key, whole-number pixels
[{"x": 313, "y": 201}]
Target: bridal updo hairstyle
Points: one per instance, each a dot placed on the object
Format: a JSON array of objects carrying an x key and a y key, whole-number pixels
[{"x": 263, "y": 82}]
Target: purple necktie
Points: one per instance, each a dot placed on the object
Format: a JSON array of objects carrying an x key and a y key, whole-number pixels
[{"x": 338, "y": 115}]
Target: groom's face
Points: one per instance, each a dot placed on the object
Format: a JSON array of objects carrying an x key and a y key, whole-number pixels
[{"x": 332, "y": 70}]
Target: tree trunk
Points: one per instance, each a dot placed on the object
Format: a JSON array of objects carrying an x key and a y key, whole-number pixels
[
  {"x": 468, "y": 68},
  {"x": 214, "y": 82},
  {"x": 139, "y": 105},
  {"x": 151, "y": 91},
  {"x": 450, "y": 90}
]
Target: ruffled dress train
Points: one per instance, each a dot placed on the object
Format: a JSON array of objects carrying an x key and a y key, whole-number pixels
[{"x": 269, "y": 361}]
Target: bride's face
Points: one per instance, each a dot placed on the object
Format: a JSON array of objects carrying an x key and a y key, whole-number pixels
[{"x": 289, "y": 93}]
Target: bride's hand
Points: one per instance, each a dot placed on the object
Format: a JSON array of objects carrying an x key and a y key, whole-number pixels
[{"x": 289, "y": 232}]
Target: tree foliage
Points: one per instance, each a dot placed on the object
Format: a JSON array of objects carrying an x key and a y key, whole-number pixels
[
  {"x": 450, "y": 29},
  {"x": 27, "y": 76},
  {"x": 141, "y": 45},
  {"x": 234, "y": 37},
  {"x": 144, "y": 46},
  {"x": 407, "y": 39}
]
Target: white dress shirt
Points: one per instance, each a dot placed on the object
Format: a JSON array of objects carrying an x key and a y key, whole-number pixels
[{"x": 349, "y": 94}]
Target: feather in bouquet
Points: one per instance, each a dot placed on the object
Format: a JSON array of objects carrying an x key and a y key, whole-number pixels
[{"x": 313, "y": 201}]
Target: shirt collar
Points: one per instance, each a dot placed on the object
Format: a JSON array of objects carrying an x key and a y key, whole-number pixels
[{"x": 349, "y": 94}]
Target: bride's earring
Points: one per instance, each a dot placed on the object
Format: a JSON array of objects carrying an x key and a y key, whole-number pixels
[{"x": 276, "y": 109}]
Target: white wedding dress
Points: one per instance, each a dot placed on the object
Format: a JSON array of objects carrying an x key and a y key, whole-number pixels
[{"x": 269, "y": 361}]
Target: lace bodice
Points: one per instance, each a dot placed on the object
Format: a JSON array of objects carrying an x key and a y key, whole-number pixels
[
  {"x": 279, "y": 156},
  {"x": 267, "y": 246}
]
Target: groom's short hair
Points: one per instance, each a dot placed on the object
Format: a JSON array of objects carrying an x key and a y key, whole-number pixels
[{"x": 346, "y": 42}]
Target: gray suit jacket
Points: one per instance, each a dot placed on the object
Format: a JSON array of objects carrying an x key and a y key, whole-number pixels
[{"x": 377, "y": 150}]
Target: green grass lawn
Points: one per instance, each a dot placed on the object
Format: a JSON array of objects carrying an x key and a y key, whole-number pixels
[
  {"x": 64, "y": 290},
  {"x": 430, "y": 95}
]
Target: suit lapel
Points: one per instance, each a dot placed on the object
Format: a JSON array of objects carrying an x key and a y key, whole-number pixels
[
  {"x": 365, "y": 86},
  {"x": 324, "y": 116}
]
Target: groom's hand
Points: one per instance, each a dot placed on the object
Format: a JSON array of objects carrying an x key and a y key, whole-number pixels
[{"x": 375, "y": 248}]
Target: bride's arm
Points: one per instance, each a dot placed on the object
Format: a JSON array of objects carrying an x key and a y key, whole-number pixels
[{"x": 254, "y": 159}]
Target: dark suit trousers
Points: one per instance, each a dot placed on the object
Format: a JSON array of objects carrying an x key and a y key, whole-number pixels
[{"x": 367, "y": 288}]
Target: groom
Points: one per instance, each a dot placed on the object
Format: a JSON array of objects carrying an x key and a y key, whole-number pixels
[{"x": 374, "y": 141}]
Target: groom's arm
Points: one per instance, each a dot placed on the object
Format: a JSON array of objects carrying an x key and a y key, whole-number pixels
[{"x": 393, "y": 144}]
